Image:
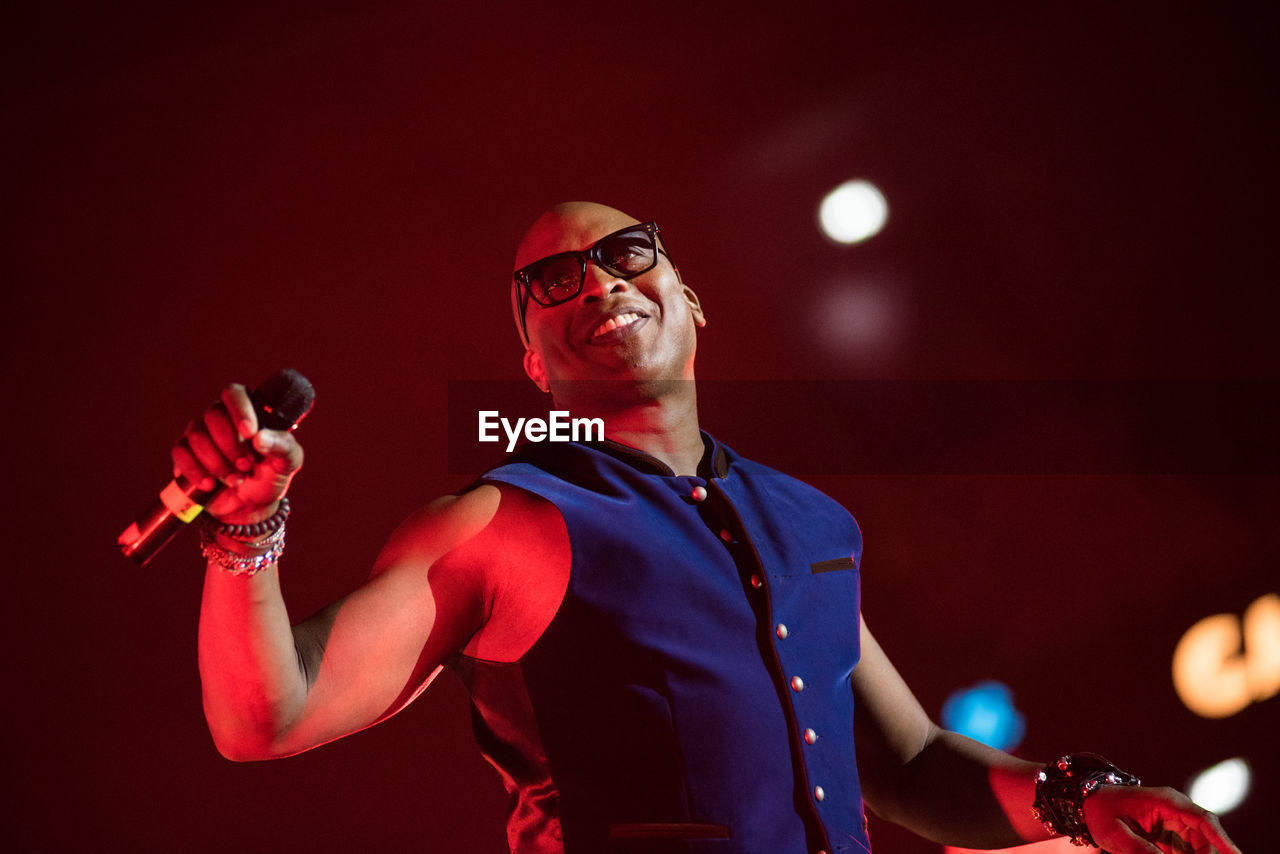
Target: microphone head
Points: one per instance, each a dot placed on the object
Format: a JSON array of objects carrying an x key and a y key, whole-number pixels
[{"x": 283, "y": 400}]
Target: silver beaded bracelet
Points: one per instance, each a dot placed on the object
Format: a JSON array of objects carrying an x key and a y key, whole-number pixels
[{"x": 239, "y": 564}]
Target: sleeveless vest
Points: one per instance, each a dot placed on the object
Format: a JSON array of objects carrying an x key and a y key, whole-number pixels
[{"x": 692, "y": 693}]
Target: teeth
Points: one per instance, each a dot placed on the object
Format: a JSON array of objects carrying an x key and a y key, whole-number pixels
[{"x": 614, "y": 322}]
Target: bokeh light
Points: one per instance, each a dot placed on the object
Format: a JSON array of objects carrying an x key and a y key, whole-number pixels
[
  {"x": 1223, "y": 664},
  {"x": 860, "y": 319},
  {"x": 985, "y": 713},
  {"x": 853, "y": 212},
  {"x": 1221, "y": 788}
]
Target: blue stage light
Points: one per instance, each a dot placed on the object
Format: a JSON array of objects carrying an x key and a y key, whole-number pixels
[{"x": 985, "y": 713}]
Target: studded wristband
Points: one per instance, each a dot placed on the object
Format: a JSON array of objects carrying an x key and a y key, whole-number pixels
[{"x": 1063, "y": 786}]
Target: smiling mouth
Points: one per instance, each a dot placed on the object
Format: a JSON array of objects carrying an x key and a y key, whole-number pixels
[{"x": 616, "y": 322}]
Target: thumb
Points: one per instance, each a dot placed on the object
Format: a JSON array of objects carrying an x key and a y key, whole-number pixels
[
  {"x": 280, "y": 449},
  {"x": 1119, "y": 838}
]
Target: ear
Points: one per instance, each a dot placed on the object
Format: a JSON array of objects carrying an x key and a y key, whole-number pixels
[
  {"x": 536, "y": 370},
  {"x": 695, "y": 307}
]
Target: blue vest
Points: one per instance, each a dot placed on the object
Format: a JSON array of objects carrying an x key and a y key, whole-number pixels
[{"x": 692, "y": 694}]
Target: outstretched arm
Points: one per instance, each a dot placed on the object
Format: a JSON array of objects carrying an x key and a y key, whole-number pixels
[
  {"x": 274, "y": 690},
  {"x": 956, "y": 791}
]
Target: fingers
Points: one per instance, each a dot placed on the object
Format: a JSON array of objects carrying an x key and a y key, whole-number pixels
[
  {"x": 235, "y": 397},
  {"x": 227, "y": 441},
  {"x": 186, "y": 465},
  {"x": 1214, "y": 835},
  {"x": 1200, "y": 828},
  {"x": 214, "y": 447},
  {"x": 1119, "y": 837},
  {"x": 279, "y": 449},
  {"x": 1137, "y": 843},
  {"x": 226, "y": 445},
  {"x": 208, "y": 449},
  {"x": 1123, "y": 818}
]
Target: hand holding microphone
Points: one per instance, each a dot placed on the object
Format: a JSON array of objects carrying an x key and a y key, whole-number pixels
[{"x": 235, "y": 461}]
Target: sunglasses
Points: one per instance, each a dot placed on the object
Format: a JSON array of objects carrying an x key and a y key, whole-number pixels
[{"x": 558, "y": 278}]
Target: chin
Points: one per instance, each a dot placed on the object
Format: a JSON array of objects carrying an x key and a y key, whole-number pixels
[{"x": 624, "y": 387}]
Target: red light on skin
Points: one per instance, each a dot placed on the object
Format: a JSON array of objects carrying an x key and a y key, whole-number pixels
[
  {"x": 1051, "y": 846},
  {"x": 1014, "y": 789}
]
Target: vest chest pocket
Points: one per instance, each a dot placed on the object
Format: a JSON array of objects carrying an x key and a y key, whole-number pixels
[
  {"x": 834, "y": 565},
  {"x": 817, "y": 614}
]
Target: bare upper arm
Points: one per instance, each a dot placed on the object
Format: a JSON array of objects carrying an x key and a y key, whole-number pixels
[
  {"x": 527, "y": 573},
  {"x": 440, "y": 583},
  {"x": 890, "y": 727}
]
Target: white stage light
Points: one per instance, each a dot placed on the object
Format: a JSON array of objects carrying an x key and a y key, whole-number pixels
[
  {"x": 853, "y": 212},
  {"x": 1221, "y": 788}
]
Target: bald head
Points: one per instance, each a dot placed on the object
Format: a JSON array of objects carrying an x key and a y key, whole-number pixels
[{"x": 567, "y": 227}]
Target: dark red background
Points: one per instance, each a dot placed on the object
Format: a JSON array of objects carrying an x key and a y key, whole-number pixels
[{"x": 196, "y": 196}]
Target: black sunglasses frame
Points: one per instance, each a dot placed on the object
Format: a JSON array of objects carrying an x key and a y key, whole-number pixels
[{"x": 590, "y": 254}]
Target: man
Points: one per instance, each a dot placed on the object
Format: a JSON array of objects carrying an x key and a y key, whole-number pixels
[{"x": 662, "y": 639}]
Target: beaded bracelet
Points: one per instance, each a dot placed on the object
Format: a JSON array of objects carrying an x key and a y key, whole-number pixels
[
  {"x": 1061, "y": 789},
  {"x": 257, "y": 529},
  {"x": 241, "y": 564}
]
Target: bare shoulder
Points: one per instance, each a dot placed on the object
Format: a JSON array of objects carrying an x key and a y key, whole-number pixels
[
  {"x": 521, "y": 556},
  {"x": 495, "y": 559},
  {"x": 488, "y": 515},
  {"x": 438, "y": 528}
]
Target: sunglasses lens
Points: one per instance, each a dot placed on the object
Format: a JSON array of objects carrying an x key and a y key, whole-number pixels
[
  {"x": 627, "y": 254},
  {"x": 555, "y": 281},
  {"x": 559, "y": 278}
]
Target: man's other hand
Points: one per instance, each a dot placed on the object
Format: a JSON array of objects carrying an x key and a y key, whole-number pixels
[{"x": 1142, "y": 820}]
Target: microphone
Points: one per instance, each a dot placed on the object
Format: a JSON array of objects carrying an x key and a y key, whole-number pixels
[{"x": 281, "y": 402}]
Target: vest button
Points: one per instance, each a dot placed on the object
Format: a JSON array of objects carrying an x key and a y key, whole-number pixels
[
  {"x": 699, "y": 493},
  {"x": 781, "y": 631},
  {"x": 726, "y": 536},
  {"x": 757, "y": 582},
  {"x": 818, "y": 794},
  {"x": 810, "y": 736},
  {"x": 797, "y": 684}
]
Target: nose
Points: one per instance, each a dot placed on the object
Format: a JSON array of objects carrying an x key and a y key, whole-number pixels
[{"x": 601, "y": 283}]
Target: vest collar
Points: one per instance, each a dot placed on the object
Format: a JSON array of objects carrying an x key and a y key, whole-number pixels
[{"x": 715, "y": 463}]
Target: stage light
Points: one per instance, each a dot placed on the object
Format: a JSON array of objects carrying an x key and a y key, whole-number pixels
[
  {"x": 1221, "y": 788},
  {"x": 853, "y": 212},
  {"x": 1223, "y": 664},
  {"x": 857, "y": 319},
  {"x": 985, "y": 713}
]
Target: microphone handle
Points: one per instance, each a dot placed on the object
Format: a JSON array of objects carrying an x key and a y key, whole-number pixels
[{"x": 178, "y": 504}]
